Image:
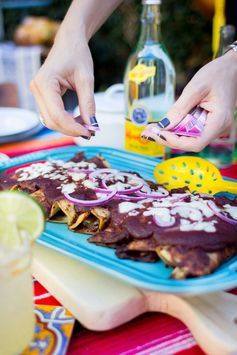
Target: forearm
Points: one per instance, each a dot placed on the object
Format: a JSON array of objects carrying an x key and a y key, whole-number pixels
[
  {"x": 85, "y": 17},
  {"x": 231, "y": 57}
]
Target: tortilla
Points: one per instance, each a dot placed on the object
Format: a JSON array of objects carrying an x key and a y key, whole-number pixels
[
  {"x": 110, "y": 236},
  {"x": 195, "y": 261},
  {"x": 145, "y": 256}
]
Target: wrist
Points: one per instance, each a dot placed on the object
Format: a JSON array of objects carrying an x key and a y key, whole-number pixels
[
  {"x": 71, "y": 36},
  {"x": 231, "y": 52},
  {"x": 231, "y": 57}
]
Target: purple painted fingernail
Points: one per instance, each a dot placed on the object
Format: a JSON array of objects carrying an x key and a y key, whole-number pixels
[
  {"x": 162, "y": 137},
  {"x": 148, "y": 138},
  {"x": 151, "y": 139}
]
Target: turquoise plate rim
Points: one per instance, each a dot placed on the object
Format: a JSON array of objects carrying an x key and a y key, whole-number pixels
[{"x": 136, "y": 273}]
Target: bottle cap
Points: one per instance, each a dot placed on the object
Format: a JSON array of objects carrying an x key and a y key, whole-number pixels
[
  {"x": 151, "y": 2},
  {"x": 228, "y": 30}
]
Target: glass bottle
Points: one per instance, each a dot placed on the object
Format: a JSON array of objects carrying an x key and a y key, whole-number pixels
[
  {"x": 149, "y": 83},
  {"x": 221, "y": 151}
]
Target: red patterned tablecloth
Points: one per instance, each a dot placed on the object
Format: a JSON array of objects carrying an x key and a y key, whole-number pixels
[{"x": 146, "y": 335}]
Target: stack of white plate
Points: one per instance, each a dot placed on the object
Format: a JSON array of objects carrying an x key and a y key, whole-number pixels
[{"x": 17, "y": 124}]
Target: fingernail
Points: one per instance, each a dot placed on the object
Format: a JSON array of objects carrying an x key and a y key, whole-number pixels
[
  {"x": 162, "y": 137},
  {"x": 93, "y": 124},
  {"x": 164, "y": 122},
  {"x": 85, "y": 137},
  {"x": 93, "y": 121},
  {"x": 148, "y": 138}
]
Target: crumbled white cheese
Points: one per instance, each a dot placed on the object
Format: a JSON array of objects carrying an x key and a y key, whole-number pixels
[
  {"x": 76, "y": 176},
  {"x": 198, "y": 226},
  {"x": 90, "y": 184},
  {"x": 54, "y": 170},
  {"x": 187, "y": 212},
  {"x": 232, "y": 210},
  {"x": 184, "y": 221},
  {"x": 68, "y": 188},
  {"x": 125, "y": 207},
  {"x": 162, "y": 203},
  {"x": 133, "y": 213},
  {"x": 200, "y": 205},
  {"x": 163, "y": 213}
]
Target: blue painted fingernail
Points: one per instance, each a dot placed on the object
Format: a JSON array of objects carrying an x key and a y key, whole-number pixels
[
  {"x": 164, "y": 122},
  {"x": 93, "y": 121},
  {"x": 93, "y": 126}
]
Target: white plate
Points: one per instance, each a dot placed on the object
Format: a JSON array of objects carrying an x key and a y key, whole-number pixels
[{"x": 17, "y": 123}]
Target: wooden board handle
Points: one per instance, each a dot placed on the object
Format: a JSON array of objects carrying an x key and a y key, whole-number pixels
[{"x": 211, "y": 318}]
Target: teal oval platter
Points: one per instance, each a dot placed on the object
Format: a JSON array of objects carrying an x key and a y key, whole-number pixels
[{"x": 155, "y": 276}]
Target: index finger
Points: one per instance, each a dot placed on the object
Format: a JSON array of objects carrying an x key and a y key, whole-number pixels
[{"x": 52, "y": 109}]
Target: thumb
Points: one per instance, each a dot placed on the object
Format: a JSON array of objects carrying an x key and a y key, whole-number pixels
[
  {"x": 189, "y": 98},
  {"x": 85, "y": 93}
]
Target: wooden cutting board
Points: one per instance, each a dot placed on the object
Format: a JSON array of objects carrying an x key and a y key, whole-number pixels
[{"x": 101, "y": 302}]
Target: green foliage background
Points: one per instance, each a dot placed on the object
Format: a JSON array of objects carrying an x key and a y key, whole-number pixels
[{"x": 186, "y": 34}]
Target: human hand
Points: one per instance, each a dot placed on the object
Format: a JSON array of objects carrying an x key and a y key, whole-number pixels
[
  {"x": 214, "y": 88},
  {"x": 70, "y": 68},
  {"x": 69, "y": 65}
]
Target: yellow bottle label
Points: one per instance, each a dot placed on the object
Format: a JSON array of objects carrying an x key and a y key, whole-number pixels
[
  {"x": 139, "y": 115},
  {"x": 141, "y": 73},
  {"x": 134, "y": 142}
]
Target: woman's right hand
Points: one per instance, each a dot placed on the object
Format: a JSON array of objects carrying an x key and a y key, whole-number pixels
[{"x": 68, "y": 66}]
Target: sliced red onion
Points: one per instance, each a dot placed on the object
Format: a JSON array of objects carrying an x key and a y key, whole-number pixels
[
  {"x": 148, "y": 193},
  {"x": 100, "y": 201},
  {"x": 101, "y": 173},
  {"x": 102, "y": 191},
  {"x": 178, "y": 197},
  {"x": 129, "y": 197},
  {"x": 219, "y": 214},
  {"x": 123, "y": 191},
  {"x": 161, "y": 223},
  {"x": 192, "y": 124}
]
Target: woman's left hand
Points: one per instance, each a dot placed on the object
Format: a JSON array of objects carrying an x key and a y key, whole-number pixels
[{"x": 214, "y": 88}]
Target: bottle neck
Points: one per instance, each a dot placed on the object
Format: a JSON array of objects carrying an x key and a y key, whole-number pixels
[
  {"x": 150, "y": 30},
  {"x": 227, "y": 35}
]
